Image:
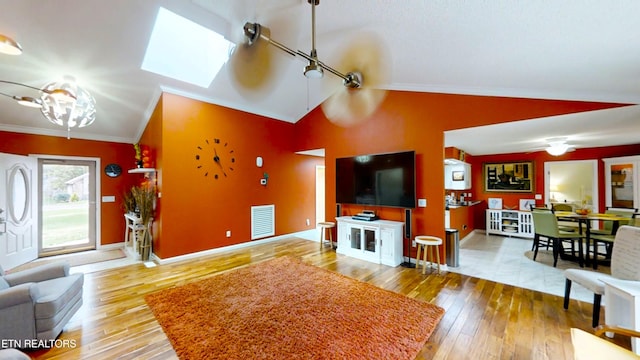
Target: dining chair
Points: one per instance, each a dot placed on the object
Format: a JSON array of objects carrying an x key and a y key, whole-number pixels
[
  {"x": 607, "y": 226},
  {"x": 565, "y": 225},
  {"x": 547, "y": 232},
  {"x": 561, "y": 207},
  {"x": 540, "y": 208},
  {"x": 605, "y": 237},
  {"x": 623, "y": 266}
]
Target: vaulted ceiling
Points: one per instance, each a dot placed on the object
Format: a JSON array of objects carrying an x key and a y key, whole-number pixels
[{"x": 574, "y": 50}]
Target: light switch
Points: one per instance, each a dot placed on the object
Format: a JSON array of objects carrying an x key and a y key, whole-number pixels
[
  {"x": 422, "y": 202},
  {"x": 108, "y": 199},
  {"x": 538, "y": 196}
]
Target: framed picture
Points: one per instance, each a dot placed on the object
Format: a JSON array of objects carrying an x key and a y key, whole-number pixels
[
  {"x": 495, "y": 203},
  {"x": 508, "y": 177},
  {"x": 457, "y": 175},
  {"x": 527, "y": 204}
]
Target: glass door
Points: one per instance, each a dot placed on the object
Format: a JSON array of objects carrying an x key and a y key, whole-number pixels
[
  {"x": 621, "y": 186},
  {"x": 67, "y": 206},
  {"x": 356, "y": 238},
  {"x": 370, "y": 240}
]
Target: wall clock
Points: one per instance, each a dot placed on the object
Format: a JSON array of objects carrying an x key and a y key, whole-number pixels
[
  {"x": 215, "y": 158},
  {"x": 113, "y": 170}
]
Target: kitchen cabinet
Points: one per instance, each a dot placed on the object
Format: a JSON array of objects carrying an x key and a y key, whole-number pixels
[
  {"x": 378, "y": 241},
  {"x": 622, "y": 180},
  {"x": 457, "y": 176}
]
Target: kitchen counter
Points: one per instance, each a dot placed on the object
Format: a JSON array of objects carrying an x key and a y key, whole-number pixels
[
  {"x": 465, "y": 204},
  {"x": 461, "y": 217}
]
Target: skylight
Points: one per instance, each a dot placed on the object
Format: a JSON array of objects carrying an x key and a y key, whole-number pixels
[{"x": 183, "y": 50}]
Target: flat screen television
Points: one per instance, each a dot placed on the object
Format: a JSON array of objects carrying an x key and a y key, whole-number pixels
[{"x": 378, "y": 179}]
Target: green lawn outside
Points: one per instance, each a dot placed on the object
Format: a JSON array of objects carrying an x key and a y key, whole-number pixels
[{"x": 65, "y": 222}]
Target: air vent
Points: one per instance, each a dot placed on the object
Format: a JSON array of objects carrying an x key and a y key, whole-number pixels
[{"x": 262, "y": 221}]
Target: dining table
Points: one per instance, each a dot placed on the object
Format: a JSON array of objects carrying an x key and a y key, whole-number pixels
[{"x": 585, "y": 223}]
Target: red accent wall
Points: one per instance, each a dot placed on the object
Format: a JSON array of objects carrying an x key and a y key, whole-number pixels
[
  {"x": 539, "y": 158},
  {"x": 417, "y": 121},
  {"x": 195, "y": 210},
  {"x": 112, "y": 224}
]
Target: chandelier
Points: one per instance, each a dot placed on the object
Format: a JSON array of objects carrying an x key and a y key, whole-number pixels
[{"x": 64, "y": 103}]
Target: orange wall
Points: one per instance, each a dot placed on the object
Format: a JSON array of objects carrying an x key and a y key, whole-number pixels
[
  {"x": 194, "y": 212},
  {"x": 417, "y": 121},
  {"x": 152, "y": 139},
  {"x": 197, "y": 210},
  {"x": 111, "y": 225}
]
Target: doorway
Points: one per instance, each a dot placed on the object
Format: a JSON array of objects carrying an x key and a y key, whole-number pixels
[
  {"x": 67, "y": 205},
  {"x": 573, "y": 182},
  {"x": 320, "y": 192}
]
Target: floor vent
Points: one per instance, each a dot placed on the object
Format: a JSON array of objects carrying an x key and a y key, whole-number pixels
[{"x": 262, "y": 221}]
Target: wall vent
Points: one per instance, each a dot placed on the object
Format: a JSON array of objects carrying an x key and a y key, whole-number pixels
[{"x": 262, "y": 221}]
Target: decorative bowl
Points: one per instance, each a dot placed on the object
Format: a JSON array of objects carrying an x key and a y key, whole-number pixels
[{"x": 583, "y": 211}]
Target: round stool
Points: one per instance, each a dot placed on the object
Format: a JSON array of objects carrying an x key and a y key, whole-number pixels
[
  {"x": 324, "y": 226},
  {"x": 428, "y": 243}
]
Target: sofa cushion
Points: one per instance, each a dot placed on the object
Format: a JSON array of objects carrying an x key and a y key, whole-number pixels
[{"x": 56, "y": 293}]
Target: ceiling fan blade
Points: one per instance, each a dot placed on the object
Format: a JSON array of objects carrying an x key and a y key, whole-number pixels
[
  {"x": 367, "y": 57},
  {"x": 254, "y": 67},
  {"x": 250, "y": 65}
]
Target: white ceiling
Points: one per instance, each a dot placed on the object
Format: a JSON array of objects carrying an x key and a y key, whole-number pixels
[{"x": 574, "y": 50}]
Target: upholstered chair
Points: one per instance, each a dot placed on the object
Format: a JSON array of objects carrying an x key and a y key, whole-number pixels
[
  {"x": 35, "y": 304},
  {"x": 624, "y": 266}
]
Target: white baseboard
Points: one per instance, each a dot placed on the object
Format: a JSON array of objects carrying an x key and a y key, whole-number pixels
[{"x": 307, "y": 235}]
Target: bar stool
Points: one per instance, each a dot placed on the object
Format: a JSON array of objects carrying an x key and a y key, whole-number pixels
[
  {"x": 324, "y": 226},
  {"x": 428, "y": 243}
]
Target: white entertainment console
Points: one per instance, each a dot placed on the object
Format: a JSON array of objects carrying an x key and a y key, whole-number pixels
[{"x": 378, "y": 241}]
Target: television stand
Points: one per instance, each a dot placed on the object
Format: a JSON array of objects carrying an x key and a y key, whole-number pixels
[{"x": 377, "y": 241}]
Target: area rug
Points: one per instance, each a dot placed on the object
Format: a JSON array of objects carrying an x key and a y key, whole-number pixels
[
  {"x": 76, "y": 259},
  {"x": 286, "y": 309}
]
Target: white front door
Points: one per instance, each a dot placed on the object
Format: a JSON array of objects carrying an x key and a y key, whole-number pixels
[{"x": 18, "y": 218}]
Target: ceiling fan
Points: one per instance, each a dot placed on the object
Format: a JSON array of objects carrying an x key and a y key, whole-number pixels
[
  {"x": 555, "y": 146},
  {"x": 354, "y": 102}
]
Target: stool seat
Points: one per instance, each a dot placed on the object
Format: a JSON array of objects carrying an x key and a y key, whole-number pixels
[
  {"x": 428, "y": 243},
  {"x": 324, "y": 226}
]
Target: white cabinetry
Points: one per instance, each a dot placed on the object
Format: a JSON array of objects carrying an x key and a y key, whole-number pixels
[
  {"x": 622, "y": 180},
  {"x": 457, "y": 176},
  {"x": 510, "y": 223},
  {"x": 377, "y": 241}
]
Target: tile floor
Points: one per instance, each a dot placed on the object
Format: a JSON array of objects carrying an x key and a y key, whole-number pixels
[{"x": 508, "y": 260}]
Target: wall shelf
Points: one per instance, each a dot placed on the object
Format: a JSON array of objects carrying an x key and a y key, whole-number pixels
[{"x": 141, "y": 170}]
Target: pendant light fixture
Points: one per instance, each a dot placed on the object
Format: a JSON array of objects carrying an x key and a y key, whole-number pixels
[
  {"x": 64, "y": 103},
  {"x": 557, "y": 147}
]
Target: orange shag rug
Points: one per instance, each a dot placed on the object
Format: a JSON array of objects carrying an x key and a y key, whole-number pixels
[{"x": 285, "y": 309}]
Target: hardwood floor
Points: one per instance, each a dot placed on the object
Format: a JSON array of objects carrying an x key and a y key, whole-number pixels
[{"x": 483, "y": 320}]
